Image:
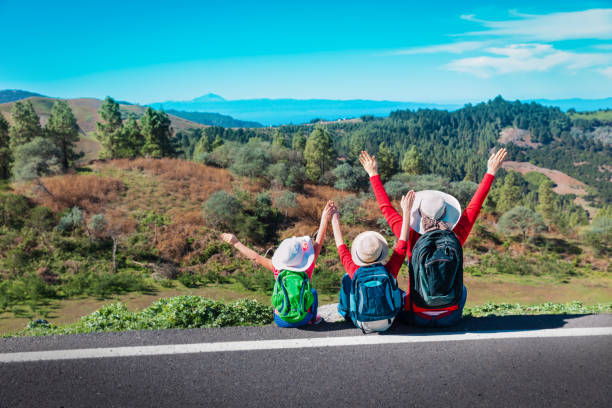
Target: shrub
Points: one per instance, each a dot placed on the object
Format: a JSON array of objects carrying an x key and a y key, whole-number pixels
[
  {"x": 349, "y": 177},
  {"x": 14, "y": 210},
  {"x": 71, "y": 220},
  {"x": 286, "y": 201},
  {"x": 222, "y": 209},
  {"x": 350, "y": 209},
  {"x": 599, "y": 235},
  {"x": 463, "y": 191},
  {"x": 396, "y": 189},
  {"x": 223, "y": 156},
  {"x": 40, "y": 219},
  {"x": 523, "y": 221},
  {"x": 251, "y": 159}
]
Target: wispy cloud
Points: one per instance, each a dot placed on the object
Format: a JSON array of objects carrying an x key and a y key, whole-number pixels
[
  {"x": 526, "y": 58},
  {"x": 593, "y": 23},
  {"x": 451, "y": 48},
  {"x": 607, "y": 72}
]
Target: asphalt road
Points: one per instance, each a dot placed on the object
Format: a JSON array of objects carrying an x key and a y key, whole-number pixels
[{"x": 514, "y": 372}]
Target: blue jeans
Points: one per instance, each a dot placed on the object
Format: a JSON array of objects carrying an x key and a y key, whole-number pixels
[
  {"x": 310, "y": 317},
  {"x": 345, "y": 296},
  {"x": 448, "y": 320}
]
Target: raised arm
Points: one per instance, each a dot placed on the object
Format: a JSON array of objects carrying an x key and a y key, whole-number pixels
[
  {"x": 325, "y": 217},
  {"x": 343, "y": 251},
  {"x": 469, "y": 216},
  {"x": 248, "y": 252},
  {"x": 394, "y": 219},
  {"x": 399, "y": 252}
]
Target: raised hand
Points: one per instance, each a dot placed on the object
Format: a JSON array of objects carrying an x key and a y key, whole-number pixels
[
  {"x": 369, "y": 163},
  {"x": 229, "y": 238},
  {"x": 407, "y": 201},
  {"x": 328, "y": 211},
  {"x": 496, "y": 160}
]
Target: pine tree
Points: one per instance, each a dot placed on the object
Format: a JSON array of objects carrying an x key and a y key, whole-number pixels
[
  {"x": 319, "y": 153},
  {"x": 510, "y": 194},
  {"x": 6, "y": 156},
  {"x": 132, "y": 140},
  {"x": 387, "y": 162},
  {"x": 546, "y": 200},
  {"x": 299, "y": 141},
  {"x": 279, "y": 139},
  {"x": 109, "y": 130},
  {"x": 25, "y": 126},
  {"x": 157, "y": 134},
  {"x": 63, "y": 131},
  {"x": 413, "y": 162}
]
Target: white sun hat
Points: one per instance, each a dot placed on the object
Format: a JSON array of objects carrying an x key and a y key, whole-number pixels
[
  {"x": 434, "y": 204},
  {"x": 294, "y": 254},
  {"x": 369, "y": 247}
]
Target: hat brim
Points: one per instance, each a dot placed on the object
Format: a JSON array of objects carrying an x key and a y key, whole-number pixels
[
  {"x": 451, "y": 216},
  {"x": 383, "y": 253},
  {"x": 304, "y": 265}
]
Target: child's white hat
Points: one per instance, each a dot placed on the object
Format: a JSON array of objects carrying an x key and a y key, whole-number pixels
[{"x": 294, "y": 254}]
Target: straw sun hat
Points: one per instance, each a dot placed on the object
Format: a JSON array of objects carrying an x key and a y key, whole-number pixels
[
  {"x": 368, "y": 248},
  {"x": 294, "y": 254},
  {"x": 436, "y": 205}
]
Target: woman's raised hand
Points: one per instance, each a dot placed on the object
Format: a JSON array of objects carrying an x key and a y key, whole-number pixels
[
  {"x": 407, "y": 201},
  {"x": 229, "y": 238},
  {"x": 496, "y": 160},
  {"x": 369, "y": 163}
]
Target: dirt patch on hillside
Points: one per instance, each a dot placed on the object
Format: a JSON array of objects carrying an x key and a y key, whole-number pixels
[
  {"x": 565, "y": 184},
  {"x": 519, "y": 137}
]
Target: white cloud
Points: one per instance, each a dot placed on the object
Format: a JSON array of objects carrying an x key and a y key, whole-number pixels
[
  {"x": 526, "y": 58},
  {"x": 452, "y": 48},
  {"x": 607, "y": 72},
  {"x": 593, "y": 23}
]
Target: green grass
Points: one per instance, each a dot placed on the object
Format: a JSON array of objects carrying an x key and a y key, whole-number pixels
[
  {"x": 603, "y": 115},
  {"x": 509, "y": 309},
  {"x": 180, "y": 312}
]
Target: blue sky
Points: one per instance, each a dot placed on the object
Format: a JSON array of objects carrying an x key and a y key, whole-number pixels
[{"x": 439, "y": 51}]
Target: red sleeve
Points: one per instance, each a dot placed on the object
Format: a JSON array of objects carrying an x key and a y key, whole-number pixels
[
  {"x": 396, "y": 260},
  {"x": 347, "y": 260},
  {"x": 394, "y": 219},
  {"x": 468, "y": 218}
]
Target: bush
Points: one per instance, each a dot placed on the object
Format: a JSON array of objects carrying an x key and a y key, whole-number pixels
[
  {"x": 349, "y": 177},
  {"x": 599, "y": 235},
  {"x": 223, "y": 156},
  {"x": 71, "y": 220},
  {"x": 222, "y": 209},
  {"x": 463, "y": 191},
  {"x": 251, "y": 159},
  {"x": 350, "y": 209},
  {"x": 523, "y": 221},
  {"x": 396, "y": 189},
  {"x": 13, "y": 210},
  {"x": 40, "y": 219}
]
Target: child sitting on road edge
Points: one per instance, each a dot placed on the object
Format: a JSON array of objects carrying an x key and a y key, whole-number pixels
[
  {"x": 369, "y": 294},
  {"x": 295, "y": 301}
]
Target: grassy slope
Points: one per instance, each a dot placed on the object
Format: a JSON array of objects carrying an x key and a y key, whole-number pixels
[
  {"x": 86, "y": 112},
  {"x": 178, "y": 189}
]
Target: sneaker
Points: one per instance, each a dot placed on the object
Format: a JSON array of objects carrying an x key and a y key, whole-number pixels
[{"x": 318, "y": 320}]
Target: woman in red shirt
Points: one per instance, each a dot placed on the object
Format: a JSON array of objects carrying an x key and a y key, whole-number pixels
[{"x": 462, "y": 228}]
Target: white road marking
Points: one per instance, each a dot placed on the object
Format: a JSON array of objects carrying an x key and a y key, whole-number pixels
[{"x": 295, "y": 343}]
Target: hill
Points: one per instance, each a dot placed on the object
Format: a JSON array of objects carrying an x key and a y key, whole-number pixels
[
  {"x": 12, "y": 95},
  {"x": 214, "y": 119},
  {"x": 86, "y": 112}
]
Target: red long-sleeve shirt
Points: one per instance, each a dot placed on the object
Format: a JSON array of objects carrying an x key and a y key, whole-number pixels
[
  {"x": 393, "y": 266},
  {"x": 463, "y": 227}
]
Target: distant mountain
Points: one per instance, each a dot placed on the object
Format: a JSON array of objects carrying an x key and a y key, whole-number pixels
[
  {"x": 214, "y": 119},
  {"x": 12, "y": 95},
  {"x": 284, "y": 111},
  {"x": 580, "y": 105}
]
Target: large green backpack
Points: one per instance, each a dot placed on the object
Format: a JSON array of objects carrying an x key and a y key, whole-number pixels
[{"x": 292, "y": 296}]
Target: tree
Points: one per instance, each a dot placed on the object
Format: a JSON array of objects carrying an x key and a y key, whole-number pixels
[
  {"x": 523, "y": 221},
  {"x": 108, "y": 131},
  {"x": 319, "y": 153},
  {"x": 349, "y": 177},
  {"x": 413, "y": 162},
  {"x": 252, "y": 159},
  {"x": 222, "y": 210},
  {"x": 286, "y": 201},
  {"x": 6, "y": 156},
  {"x": 25, "y": 126},
  {"x": 157, "y": 134},
  {"x": 279, "y": 139},
  {"x": 387, "y": 162},
  {"x": 298, "y": 142},
  {"x": 599, "y": 235},
  {"x": 132, "y": 140},
  {"x": 510, "y": 194},
  {"x": 63, "y": 131},
  {"x": 546, "y": 200},
  {"x": 35, "y": 159}
]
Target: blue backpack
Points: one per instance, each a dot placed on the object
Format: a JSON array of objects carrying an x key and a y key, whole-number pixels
[{"x": 375, "y": 298}]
